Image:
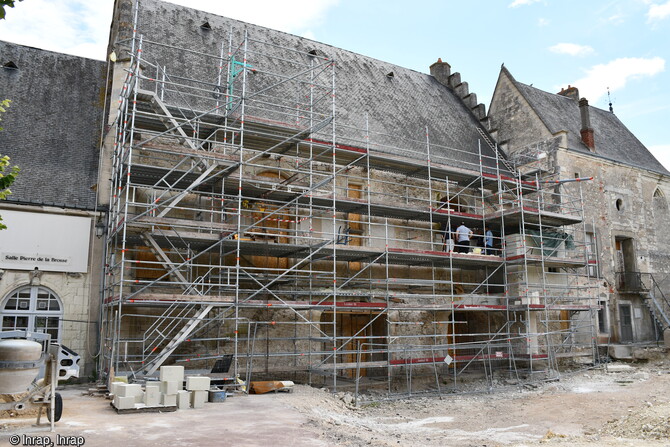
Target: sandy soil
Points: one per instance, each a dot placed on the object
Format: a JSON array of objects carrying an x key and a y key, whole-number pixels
[
  {"x": 588, "y": 408},
  {"x": 630, "y": 407}
]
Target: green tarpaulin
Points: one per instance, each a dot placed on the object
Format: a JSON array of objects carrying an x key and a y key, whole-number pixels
[{"x": 550, "y": 241}]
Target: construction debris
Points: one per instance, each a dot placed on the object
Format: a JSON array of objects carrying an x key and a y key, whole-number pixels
[{"x": 263, "y": 387}]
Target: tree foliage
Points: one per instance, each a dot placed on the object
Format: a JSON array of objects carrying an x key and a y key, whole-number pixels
[
  {"x": 6, "y": 4},
  {"x": 4, "y": 104},
  {"x": 7, "y": 179}
]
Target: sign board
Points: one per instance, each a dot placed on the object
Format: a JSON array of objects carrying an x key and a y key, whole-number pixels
[
  {"x": 50, "y": 242},
  {"x": 448, "y": 359}
]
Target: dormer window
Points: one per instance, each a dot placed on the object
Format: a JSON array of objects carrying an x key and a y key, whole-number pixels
[{"x": 10, "y": 65}]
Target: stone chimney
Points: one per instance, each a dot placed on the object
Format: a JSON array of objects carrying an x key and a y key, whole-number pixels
[
  {"x": 587, "y": 130},
  {"x": 441, "y": 71},
  {"x": 121, "y": 29},
  {"x": 570, "y": 92}
]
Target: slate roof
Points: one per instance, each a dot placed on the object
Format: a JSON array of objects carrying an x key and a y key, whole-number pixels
[
  {"x": 402, "y": 105},
  {"x": 612, "y": 139},
  {"x": 52, "y": 128}
]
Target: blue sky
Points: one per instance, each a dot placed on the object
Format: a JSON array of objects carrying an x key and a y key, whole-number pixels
[{"x": 594, "y": 44}]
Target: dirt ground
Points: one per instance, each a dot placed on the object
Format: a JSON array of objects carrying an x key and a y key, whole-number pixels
[{"x": 623, "y": 405}]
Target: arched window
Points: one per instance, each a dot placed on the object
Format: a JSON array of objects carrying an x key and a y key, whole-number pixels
[
  {"x": 33, "y": 308},
  {"x": 658, "y": 194},
  {"x": 660, "y": 204}
]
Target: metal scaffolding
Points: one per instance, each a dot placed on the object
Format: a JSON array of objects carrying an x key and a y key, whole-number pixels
[{"x": 248, "y": 226}]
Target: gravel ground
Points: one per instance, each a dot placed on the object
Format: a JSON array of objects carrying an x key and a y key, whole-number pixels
[{"x": 621, "y": 405}]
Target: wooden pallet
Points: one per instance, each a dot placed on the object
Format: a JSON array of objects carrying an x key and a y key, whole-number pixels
[{"x": 158, "y": 409}]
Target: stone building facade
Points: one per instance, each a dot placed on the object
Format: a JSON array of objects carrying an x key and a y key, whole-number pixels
[
  {"x": 285, "y": 207},
  {"x": 626, "y": 199},
  {"x": 50, "y": 259}
]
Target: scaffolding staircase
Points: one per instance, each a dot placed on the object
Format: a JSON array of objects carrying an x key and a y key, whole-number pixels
[
  {"x": 656, "y": 302},
  {"x": 174, "y": 274},
  {"x": 166, "y": 117},
  {"x": 155, "y": 361},
  {"x": 500, "y": 156}
]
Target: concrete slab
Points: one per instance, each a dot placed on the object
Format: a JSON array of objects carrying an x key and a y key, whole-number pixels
[
  {"x": 183, "y": 399},
  {"x": 124, "y": 402},
  {"x": 171, "y": 373},
  {"x": 170, "y": 386},
  {"x": 152, "y": 395},
  {"x": 128, "y": 389},
  {"x": 619, "y": 367},
  {"x": 169, "y": 400},
  {"x": 621, "y": 352},
  {"x": 198, "y": 398},
  {"x": 197, "y": 383}
]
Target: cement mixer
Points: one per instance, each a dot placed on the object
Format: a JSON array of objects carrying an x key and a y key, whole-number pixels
[{"x": 30, "y": 363}]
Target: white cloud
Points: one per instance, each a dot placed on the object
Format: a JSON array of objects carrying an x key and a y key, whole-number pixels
[
  {"x": 77, "y": 27},
  {"x": 517, "y": 3},
  {"x": 662, "y": 154},
  {"x": 308, "y": 34},
  {"x": 658, "y": 12},
  {"x": 572, "y": 49},
  {"x": 616, "y": 19},
  {"x": 293, "y": 16},
  {"x": 616, "y": 74},
  {"x": 81, "y": 27},
  {"x": 542, "y": 22}
]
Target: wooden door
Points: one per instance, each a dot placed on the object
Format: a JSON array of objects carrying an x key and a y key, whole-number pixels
[
  {"x": 626, "y": 323},
  {"x": 355, "y": 224},
  {"x": 272, "y": 227}
]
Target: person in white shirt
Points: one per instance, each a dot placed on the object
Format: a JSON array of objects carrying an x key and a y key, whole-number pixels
[{"x": 463, "y": 235}]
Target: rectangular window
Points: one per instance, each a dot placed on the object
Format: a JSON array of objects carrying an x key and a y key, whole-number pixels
[
  {"x": 603, "y": 326},
  {"x": 591, "y": 254},
  {"x": 48, "y": 325},
  {"x": 14, "y": 323}
]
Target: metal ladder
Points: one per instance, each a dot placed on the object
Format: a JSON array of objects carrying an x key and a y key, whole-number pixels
[{"x": 500, "y": 155}]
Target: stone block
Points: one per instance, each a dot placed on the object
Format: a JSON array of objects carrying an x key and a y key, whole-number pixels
[
  {"x": 620, "y": 352},
  {"x": 152, "y": 395},
  {"x": 169, "y": 400},
  {"x": 197, "y": 383},
  {"x": 454, "y": 79},
  {"x": 619, "y": 367},
  {"x": 462, "y": 89},
  {"x": 128, "y": 390},
  {"x": 171, "y": 386},
  {"x": 470, "y": 100},
  {"x": 198, "y": 398},
  {"x": 124, "y": 403},
  {"x": 172, "y": 373},
  {"x": 113, "y": 388},
  {"x": 183, "y": 399},
  {"x": 666, "y": 337}
]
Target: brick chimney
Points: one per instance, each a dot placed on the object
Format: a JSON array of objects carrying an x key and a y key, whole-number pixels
[
  {"x": 441, "y": 71},
  {"x": 570, "y": 92},
  {"x": 587, "y": 130}
]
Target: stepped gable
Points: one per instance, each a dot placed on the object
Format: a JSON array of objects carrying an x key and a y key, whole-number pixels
[{"x": 399, "y": 106}]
